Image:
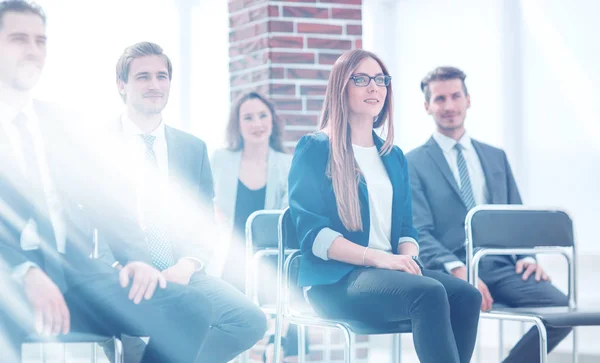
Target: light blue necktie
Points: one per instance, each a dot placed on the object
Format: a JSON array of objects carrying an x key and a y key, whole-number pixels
[{"x": 157, "y": 237}]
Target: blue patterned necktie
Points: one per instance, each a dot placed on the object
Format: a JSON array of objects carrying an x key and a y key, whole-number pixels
[
  {"x": 157, "y": 237},
  {"x": 465, "y": 182}
]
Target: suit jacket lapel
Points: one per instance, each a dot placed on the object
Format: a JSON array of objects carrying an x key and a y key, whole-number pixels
[
  {"x": 437, "y": 155},
  {"x": 487, "y": 170},
  {"x": 363, "y": 192},
  {"x": 393, "y": 168},
  {"x": 174, "y": 156},
  {"x": 390, "y": 162},
  {"x": 177, "y": 157},
  {"x": 57, "y": 144},
  {"x": 229, "y": 176}
]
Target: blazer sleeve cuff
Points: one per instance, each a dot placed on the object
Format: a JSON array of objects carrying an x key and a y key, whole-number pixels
[
  {"x": 449, "y": 266},
  {"x": 323, "y": 242},
  {"x": 408, "y": 240},
  {"x": 19, "y": 272},
  {"x": 529, "y": 259},
  {"x": 199, "y": 263}
]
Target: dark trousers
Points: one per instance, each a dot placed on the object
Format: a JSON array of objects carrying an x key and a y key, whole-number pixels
[
  {"x": 236, "y": 324},
  {"x": 177, "y": 319},
  {"x": 508, "y": 288},
  {"x": 444, "y": 311}
]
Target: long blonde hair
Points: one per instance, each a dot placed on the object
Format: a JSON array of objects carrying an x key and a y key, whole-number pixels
[{"x": 342, "y": 168}]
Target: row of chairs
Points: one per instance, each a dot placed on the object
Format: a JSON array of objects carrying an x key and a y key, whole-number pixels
[
  {"x": 271, "y": 243},
  {"x": 490, "y": 230},
  {"x": 76, "y": 337}
]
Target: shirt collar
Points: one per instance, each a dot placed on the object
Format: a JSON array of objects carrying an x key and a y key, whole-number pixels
[
  {"x": 131, "y": 129},
  {"x": 8, "y": 113},
  {"x": 447, "y": 143}
]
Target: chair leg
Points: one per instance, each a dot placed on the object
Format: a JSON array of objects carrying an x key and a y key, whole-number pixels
[
  {"x": 543, "y": 340},
  {"x": 575, "y": 346},
  {"x": 353, "y": 344},
  {"x": 301, "y": 343},
  {"x": 94, "y": 353},
  {"x": 277, "y": 338},
  {"x": 244, "y": 357},
  {"x": 348, "y": 347},
  {"x": 43, "y": 353},
  {"x": 119, "y": 358},
  {"x": 63, "y": 353},
  {"x": 500, "y": 340},
  {"x": 397, "y": 348}
]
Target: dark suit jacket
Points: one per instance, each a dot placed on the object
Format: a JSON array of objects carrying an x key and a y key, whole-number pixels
[
  {"x": 313, "y": 206},
  {"x": 70, "y": 169},
  {"x": 438, "y": 209},
  {"x": 189, "y": 214}
]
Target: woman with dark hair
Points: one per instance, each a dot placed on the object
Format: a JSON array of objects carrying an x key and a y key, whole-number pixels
[
  {"x": 351, "y": 203},
  {"x": 249, "y": 175}
]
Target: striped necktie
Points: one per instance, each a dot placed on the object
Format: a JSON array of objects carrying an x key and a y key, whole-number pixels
[{"x": 465, "y": 182}]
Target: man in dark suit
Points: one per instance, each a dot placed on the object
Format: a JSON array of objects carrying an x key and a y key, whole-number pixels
[
  {"x": 49, "y": 204},
  {"x": 452, "y": 173},
  {"x": 171, "y": 196}
]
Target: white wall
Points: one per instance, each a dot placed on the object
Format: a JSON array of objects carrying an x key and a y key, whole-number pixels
[
  {"x": 533, "y": 78},
  {"x": 86, "y": 39},
  {"x": 562, "y": 110},
  {"x": 210, "y": 71},
  {"x": 431, "y": 33}
]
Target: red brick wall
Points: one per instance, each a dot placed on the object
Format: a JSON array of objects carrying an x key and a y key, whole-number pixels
[{"x": 285, "y": 50}]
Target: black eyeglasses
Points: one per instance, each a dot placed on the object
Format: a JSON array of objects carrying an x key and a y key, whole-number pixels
[{"x": 364, "y": 80}]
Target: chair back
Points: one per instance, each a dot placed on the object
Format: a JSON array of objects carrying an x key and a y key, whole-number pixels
[
  {"x": 262, "y": 238},
  {"x": 261, "y": 229},
  {"x": 289, "y": 248},
  {"x": 512, "y": 227}
]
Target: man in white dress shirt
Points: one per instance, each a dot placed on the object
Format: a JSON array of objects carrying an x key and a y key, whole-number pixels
[
  {"x": 449, "y": 175},
  {"x": 172, "y": 200}
]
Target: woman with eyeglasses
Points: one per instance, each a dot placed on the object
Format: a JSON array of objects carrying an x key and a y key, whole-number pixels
[{"x": 350, "y": 201}]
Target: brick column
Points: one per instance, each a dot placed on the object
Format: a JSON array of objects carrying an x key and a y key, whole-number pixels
[{"x": 285, "y": 50}]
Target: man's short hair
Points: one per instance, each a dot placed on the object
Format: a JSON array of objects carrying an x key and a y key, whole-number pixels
[
  {"x": 442, "y": 74},
  {"x": 138, "y": 50},
  {"x": 20, "y": 6}
]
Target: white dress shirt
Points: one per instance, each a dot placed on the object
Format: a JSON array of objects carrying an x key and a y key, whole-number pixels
[
  {"x": 476, "y": 175},
  {"x": 160, "y": 182},
  {"x": 474, "y": 167},
  {"x": 381, "y": 194},
  {"x": 30, "y": 240}
]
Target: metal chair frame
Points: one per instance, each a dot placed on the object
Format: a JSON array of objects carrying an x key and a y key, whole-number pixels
[
  {"x": 287, "y": 312},
  {"x": 119, "y": 358},
  {"x": 473, "y": 257}
]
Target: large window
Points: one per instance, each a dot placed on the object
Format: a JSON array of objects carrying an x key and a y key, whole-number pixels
[{"x": 87, "y": 37}]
